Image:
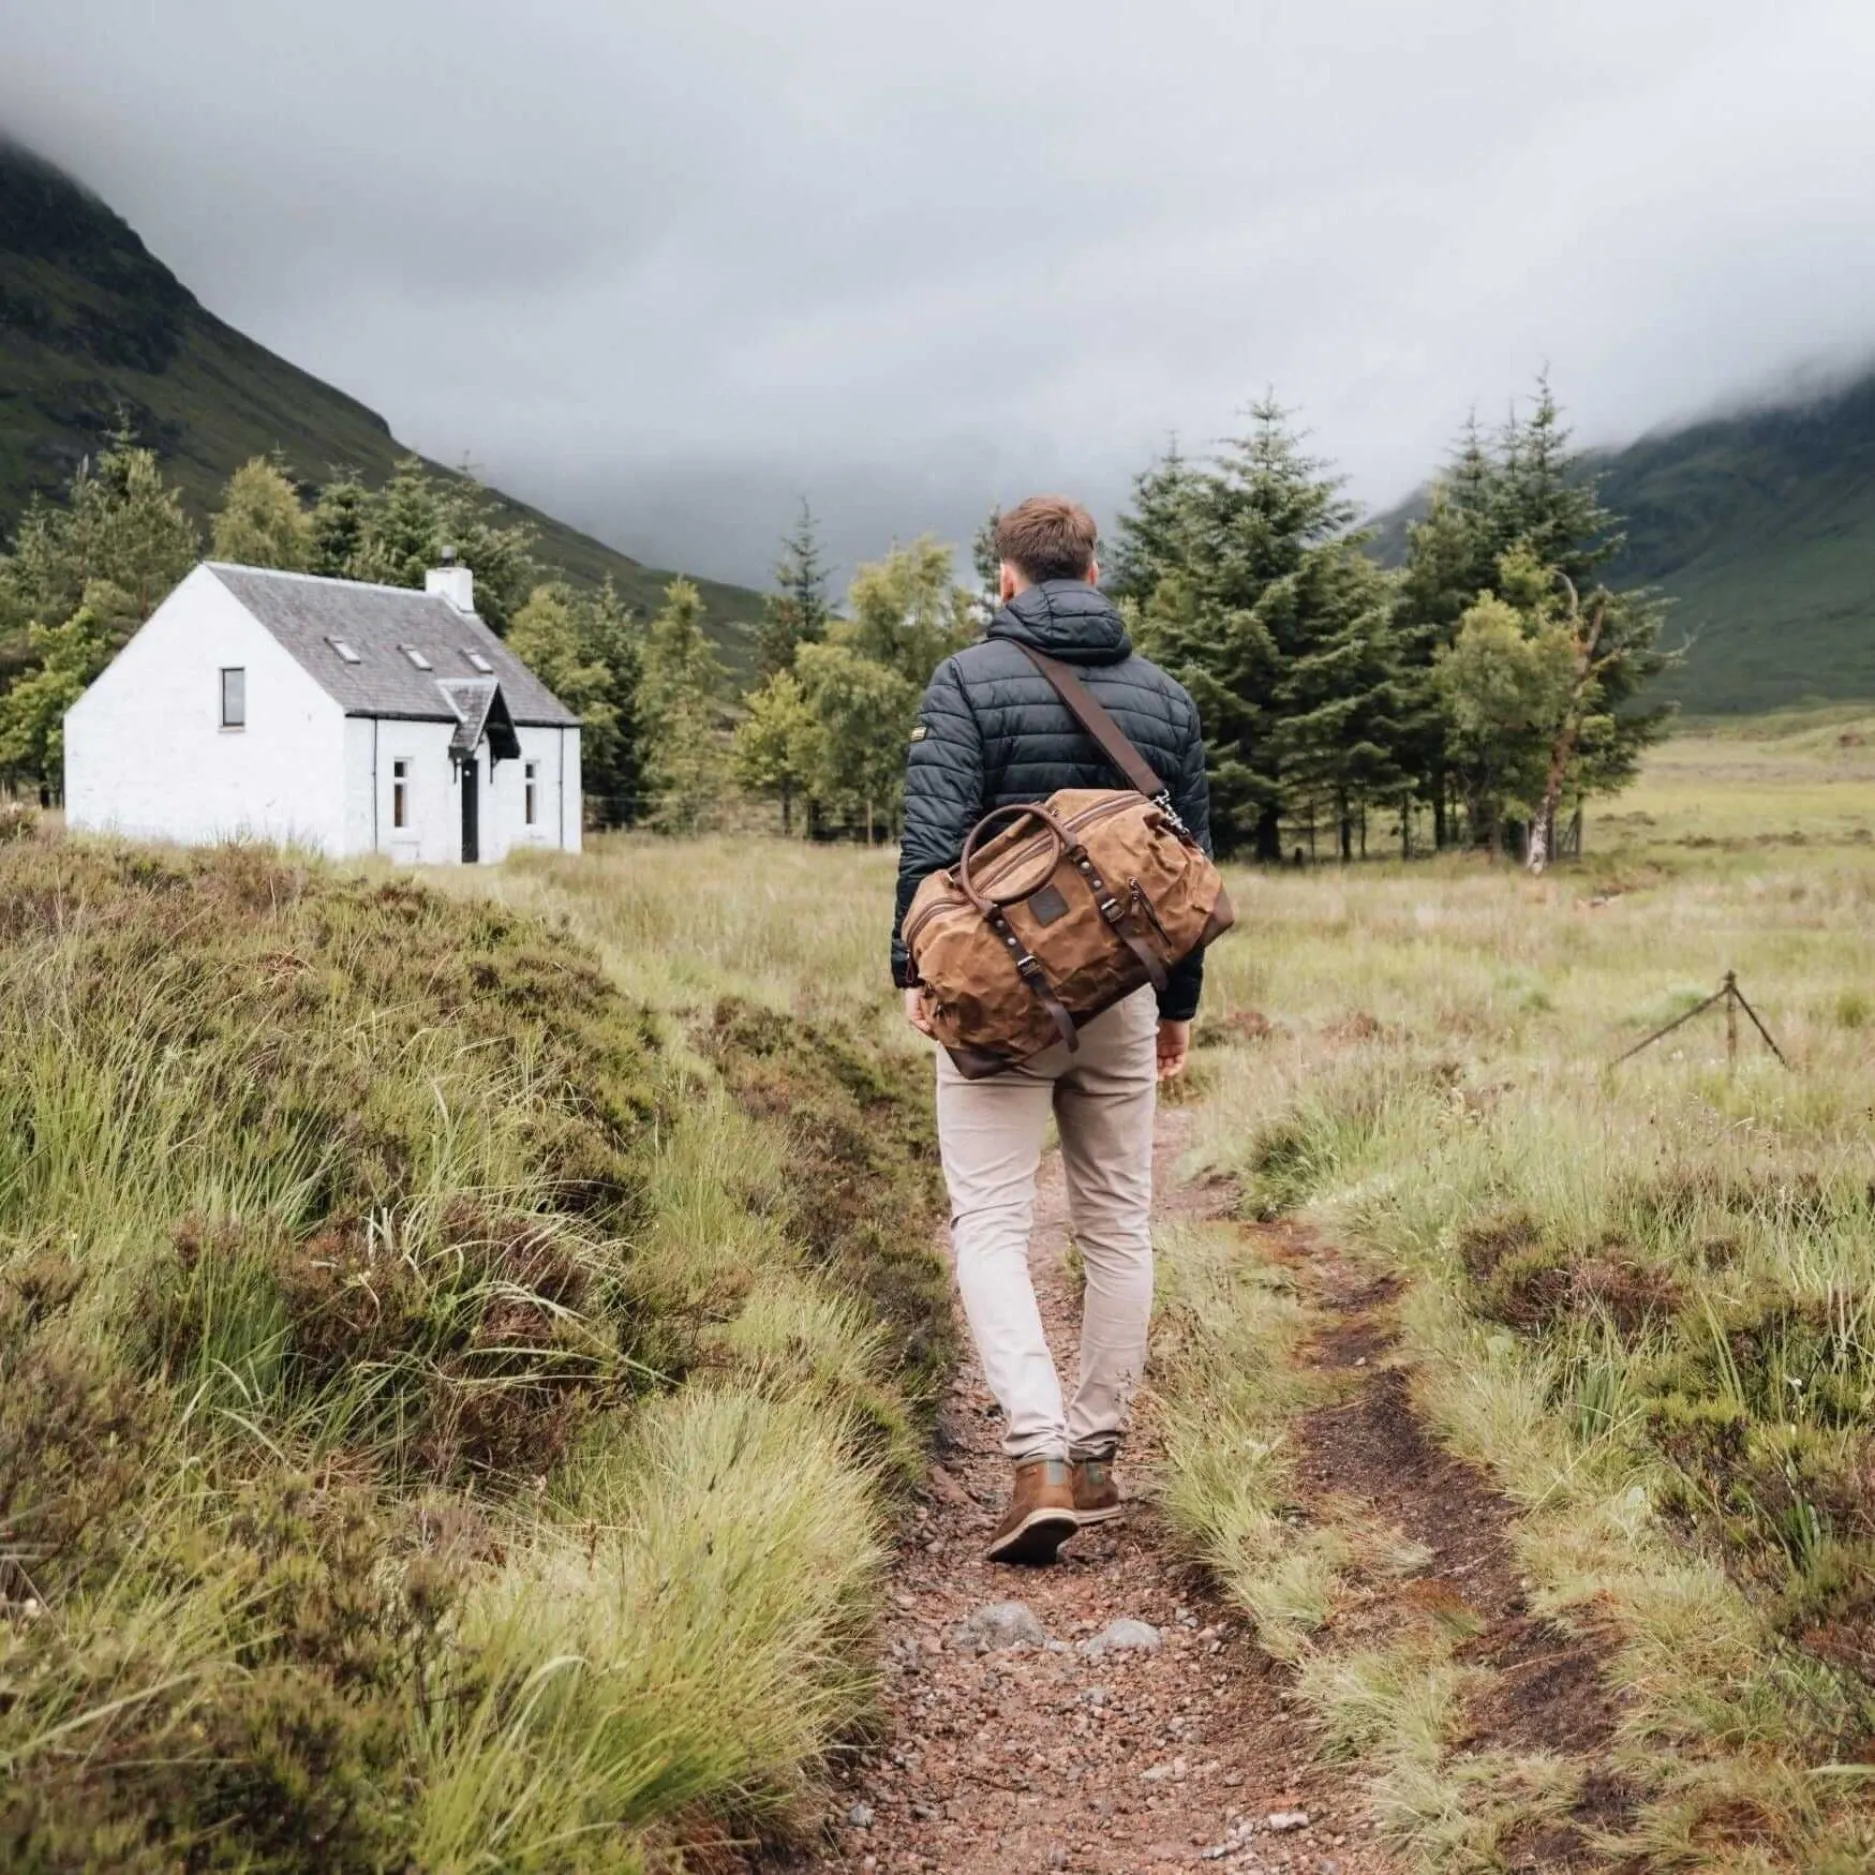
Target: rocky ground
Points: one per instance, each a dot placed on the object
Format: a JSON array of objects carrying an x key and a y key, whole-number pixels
[{"x": 1107, "y": 1715}]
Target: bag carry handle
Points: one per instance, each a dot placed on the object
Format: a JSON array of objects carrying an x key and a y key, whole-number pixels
[
  {"x": 1112, "y": 741},
  {"x": 984, "y": 902}
]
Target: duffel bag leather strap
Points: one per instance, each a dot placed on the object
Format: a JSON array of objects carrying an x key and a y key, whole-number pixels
[
  {"x": 1117, "y": 916},
  {"x": 1112, "y": 741},
  {"x": 1029, "y": 969}
]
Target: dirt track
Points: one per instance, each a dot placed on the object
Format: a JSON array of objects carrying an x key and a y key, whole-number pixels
[
  {"x": 1037, "y": 1758},
  {"x": 1007, "y": 1762}
]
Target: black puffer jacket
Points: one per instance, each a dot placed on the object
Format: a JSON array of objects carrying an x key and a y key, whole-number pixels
[{"x": 992, "y": 733}]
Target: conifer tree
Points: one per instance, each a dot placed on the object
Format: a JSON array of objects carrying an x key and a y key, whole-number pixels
[
  {"x": 120, "y": 522},
  {"x": 1209, "y": 558},
  {"x": 1343, "y": 712},
  {"x": 796, "y": 612},
  {"x": 338, "y": 524},
  {"x": 416, "y": 515},
  {"x": 1526, "y": 500},
  {"x": 986, "y": 560}
]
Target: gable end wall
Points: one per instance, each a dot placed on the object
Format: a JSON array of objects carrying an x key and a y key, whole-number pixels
[{"x": 146, "y": 756}]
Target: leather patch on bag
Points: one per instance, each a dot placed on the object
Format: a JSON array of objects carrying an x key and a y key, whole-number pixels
[{"x": 1046, "y": 905}]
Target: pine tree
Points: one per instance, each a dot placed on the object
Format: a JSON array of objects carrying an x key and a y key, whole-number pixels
[
  {"x": 1154, "y": 539},
  {"x": 796, "y": 613},
  {"x": 120, "y": 523},
  {"x": 1342, "y": 713},
  {"x": 1525, "y": 499},
  {"x": 260, "y": 521},
  {"x": 1212, "y": 558},
  {"x": 1545, "y": 498},
  {"x": 985, "y": 558},
  {"x": 416, "y": 515},
  {"x": 338, "y": 523}
]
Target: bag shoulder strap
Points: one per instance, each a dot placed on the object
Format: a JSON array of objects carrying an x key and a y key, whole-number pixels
[{"x": 1091, "y": 714}]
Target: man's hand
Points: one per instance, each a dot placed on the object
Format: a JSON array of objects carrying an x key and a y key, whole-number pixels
[
  {"x": 915, "y": 1013},
  {"x": 1174, "y": 1046}
]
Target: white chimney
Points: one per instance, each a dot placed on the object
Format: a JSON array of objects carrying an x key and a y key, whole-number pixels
[{"x": 455, "y": 583}]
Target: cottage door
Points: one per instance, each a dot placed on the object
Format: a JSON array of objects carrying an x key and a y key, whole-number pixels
[{"x": 471, "y": 811}]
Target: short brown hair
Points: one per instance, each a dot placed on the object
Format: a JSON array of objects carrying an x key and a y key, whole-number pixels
[{"x": 1047, "y": 537}]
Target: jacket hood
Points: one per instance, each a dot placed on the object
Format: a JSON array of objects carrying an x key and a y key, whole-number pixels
[{"x": 1066, "y": 619}]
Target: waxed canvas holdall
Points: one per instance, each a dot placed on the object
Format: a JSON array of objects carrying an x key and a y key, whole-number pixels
[{"x": 1058, "y": 909}]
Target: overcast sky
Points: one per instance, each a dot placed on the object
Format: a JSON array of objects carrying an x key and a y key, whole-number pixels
[{"x": 664, "y": 268}]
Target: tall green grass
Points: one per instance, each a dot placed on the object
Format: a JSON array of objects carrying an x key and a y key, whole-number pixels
[
  {"x": 1638, "y": 1296},
  {"x": 448, "y": 1416}
]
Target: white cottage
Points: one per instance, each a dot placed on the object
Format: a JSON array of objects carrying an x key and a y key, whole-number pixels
[{"x": 329, "y": 713}]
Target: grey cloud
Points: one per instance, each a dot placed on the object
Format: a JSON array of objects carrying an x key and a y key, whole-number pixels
[{"x": 663, "y": 268}]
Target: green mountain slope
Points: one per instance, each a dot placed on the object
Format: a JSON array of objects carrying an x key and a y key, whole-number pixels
[
  {"x": 91, "y": 323},
  {"x": 1760, "y": 523}
]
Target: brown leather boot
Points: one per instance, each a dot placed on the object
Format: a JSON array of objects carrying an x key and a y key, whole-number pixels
[
  {"x": 1040, "y": 1517},
  {"x": 1096, "y": 1490}
]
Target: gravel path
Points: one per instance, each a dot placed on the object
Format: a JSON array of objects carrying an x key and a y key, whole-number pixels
[{"x": 1055, "y": 1752}]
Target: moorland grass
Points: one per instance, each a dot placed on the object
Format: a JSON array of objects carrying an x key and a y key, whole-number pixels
[
  {"x": 1638, "y": 1296},
  {"x": 449, "y": 1400}
]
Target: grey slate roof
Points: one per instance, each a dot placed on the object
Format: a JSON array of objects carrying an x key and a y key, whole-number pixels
[
  {"x": 483, "y": 710},
  {"x": 305, "y": 612}
]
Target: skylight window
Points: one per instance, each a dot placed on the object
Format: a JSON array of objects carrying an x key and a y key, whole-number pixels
[
  {"x": 346, "y": 653},
  {"x": 416, "y": 657},
  {"x": 480, "y": 663}
]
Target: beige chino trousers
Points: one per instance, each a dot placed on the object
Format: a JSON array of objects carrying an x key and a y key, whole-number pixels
[{"x": 990, "y": 1134}]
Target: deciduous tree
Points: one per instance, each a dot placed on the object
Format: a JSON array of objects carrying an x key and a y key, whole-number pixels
[
  {"x": 260, "y": 521},
  {"x": 66, "y": 657},
  {"x": 585, "y": 648},
  {"x": 906, "y": 613},
  {"x": 686, "y": 759},
  {"x": 776, "y": 747}
]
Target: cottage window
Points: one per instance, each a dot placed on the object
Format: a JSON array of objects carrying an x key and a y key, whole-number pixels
[
  {"x": 346, "y": 654},
  {"x": 234, "y": 698},
  {"x": 529, "y": 772},
  {"x": 416, "y": 657},
  {"x": 480, "y": 663},
  {"x": 400, "y": 794}
]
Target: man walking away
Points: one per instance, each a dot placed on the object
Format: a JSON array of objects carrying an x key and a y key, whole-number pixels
[{"x": 992, "y": 733}]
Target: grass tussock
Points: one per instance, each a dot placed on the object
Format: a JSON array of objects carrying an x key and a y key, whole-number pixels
[
  {"x": 1227, "y": 1390},
  {"x": 442, "y": 1426}
]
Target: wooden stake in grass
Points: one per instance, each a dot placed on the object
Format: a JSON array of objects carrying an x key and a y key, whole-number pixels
[{"x": 1733, "y": 998}]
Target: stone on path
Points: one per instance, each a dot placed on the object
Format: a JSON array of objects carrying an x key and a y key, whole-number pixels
[
  {"x": 860, "y": 1816},
  {"x": 1125, "y": 1636},
  {"x": 997, "y": 1625}
]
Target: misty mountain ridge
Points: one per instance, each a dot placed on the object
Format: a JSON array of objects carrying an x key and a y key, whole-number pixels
[
  {"x": 1758, "y": 519},
  {"x": 91, "y": 324}
]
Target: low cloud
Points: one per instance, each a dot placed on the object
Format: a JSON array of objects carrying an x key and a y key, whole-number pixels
[{"x": 666, "y": 269}]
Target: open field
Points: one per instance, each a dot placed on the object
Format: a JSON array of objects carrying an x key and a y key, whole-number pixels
[{"x": 1757, "y": 784}]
